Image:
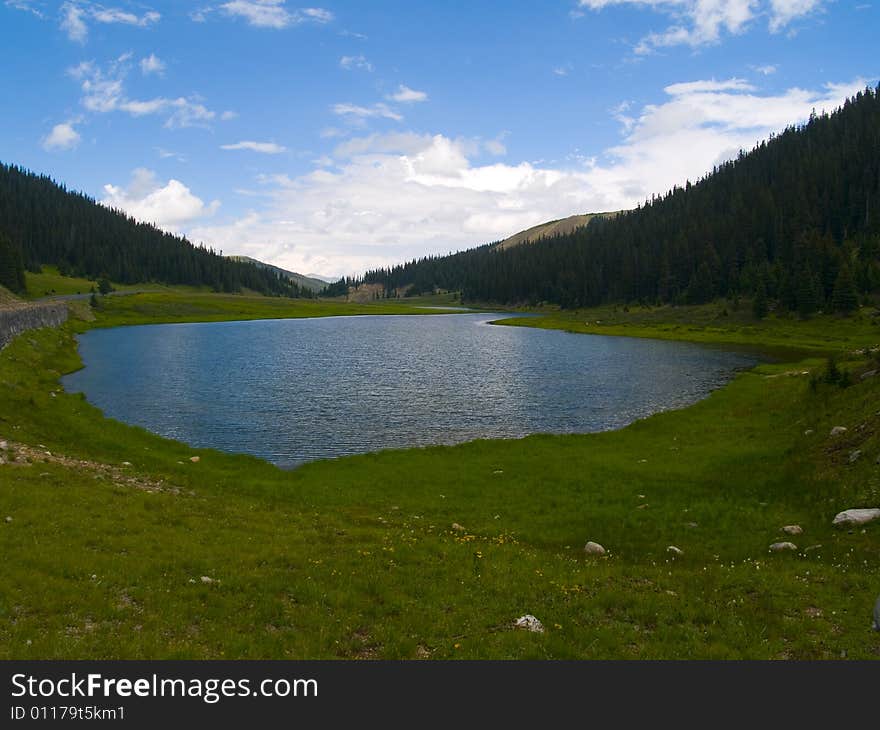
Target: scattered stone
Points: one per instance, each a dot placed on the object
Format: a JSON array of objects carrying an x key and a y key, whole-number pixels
[
  {"x": 808, "y": 432},
  {"x": 692, "y": 525},
  {"x": 675, "y": 550},
  {"x": 594, "y": 548},
  {"x": 838, "y": 430},
  {"x": 195, "y": 459},
  {"x": 457, "y": 527},
  {"x": 3, "y": 446},
  {"x": 856, "y": 516},
  {"x": 813, "y": 612},
  {"x": 854, "y": 456},
  {"x": 810, "y": 548},
  {"x": 793, "y": 530},
  {"x": 126, "y": 463},
  {"x": 529, "y": 623},
  {"x": 207, "y": 580},
  {"x": 498, "y": 471},
  {"x": 423, "y": 653},
  {"x": 8, "y": 519},
  {"x": 642, "y": 506},
  {"x": 778, "y": 547},
  {"x": 869, "y": 374}
]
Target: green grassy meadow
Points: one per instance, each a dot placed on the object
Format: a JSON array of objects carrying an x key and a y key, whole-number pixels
[{"x": 119, "y": 545}]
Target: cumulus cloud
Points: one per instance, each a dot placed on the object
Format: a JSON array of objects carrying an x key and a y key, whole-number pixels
[
  {"x": 273, "y": 13},
  {"x": 406, "y": 95},
  {"x": 62, "y": 137},
  {"x": 702, "y": 22},
  {"x": 152, "y": 64},
  {"x": 75, "y": 15},
  {"x": 389, "y": 197},
  {"x": 267, "y": 148},
  {"x": 169, "y": 206}
]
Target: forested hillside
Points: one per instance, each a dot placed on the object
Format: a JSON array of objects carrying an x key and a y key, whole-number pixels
[
  {"x": 42, "y": 222},
  {"x": 796, "y": 220}
]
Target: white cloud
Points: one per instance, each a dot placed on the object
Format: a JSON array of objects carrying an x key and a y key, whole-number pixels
[
  {"x": 73, "y": 22},
  {"x": 272, "y": 13},
  {"x": 390, "y": 197},
  {"x": 115, "y": 15},
  {"x": 351, "y": 62},
  {"x": 104, "y": 92},
  {"x": 62, "y": 137},
  {"x": 75, "y": 15},
  {"x": 318, "y": 15},
  {"x": 702, "y": 22},
  {"x": 366, "y": 112},
  {"x": 784, "y": 12},
  {"x": 26, "y": 5},
  {"x": 152, "y": 64},
  {"x": 267, "y": 148},
  {"x": 694, "y": 87},
  {"x": 765, "y": 70},
  {"x": 406, "y": 95},
  {"x": 169, "y": 205}
]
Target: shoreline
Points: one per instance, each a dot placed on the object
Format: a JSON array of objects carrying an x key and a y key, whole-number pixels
[{"x": 358, "y": 557}]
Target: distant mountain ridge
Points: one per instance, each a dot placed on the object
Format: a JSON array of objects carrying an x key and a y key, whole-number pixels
[
  {"x": 312, "y": 283},
  {"x": 560, "y": 227}
]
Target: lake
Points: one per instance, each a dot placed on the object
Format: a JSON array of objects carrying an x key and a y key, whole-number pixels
[{"x": 296, "y": 390}]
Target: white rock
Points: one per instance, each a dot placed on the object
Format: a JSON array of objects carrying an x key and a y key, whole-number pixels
[
  {"x": 838, "y": 430},
  {"x": 808, "y": 432},
  {"x": 529, "y": 623},
  {"x": 457, "y": 527},
  {"x": 9, "y": 519},
  {"x": 675, "y": 550},
  {"x": 793, "y": 530},
  {"x": 854, "y": 456},
  {"x": 856, "y": 516},
  {"x": 207, "y": 580},
  {"x": 778, "y": 547},
  {"x": 195, "y": 459},
  {"x": 594, "y": 548},
  {"x": 3, "y": 446}
]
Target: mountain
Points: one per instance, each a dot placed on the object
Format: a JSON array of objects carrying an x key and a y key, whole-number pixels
[
  {"x": 309, "y": 282},
  {"x": 795, "y": 221},
  {"x": 547, "y": 230},
  {"x": 41, "y": 222}
]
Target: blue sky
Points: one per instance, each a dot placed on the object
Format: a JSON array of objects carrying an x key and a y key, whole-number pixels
[{"x": 334, "y": 138}]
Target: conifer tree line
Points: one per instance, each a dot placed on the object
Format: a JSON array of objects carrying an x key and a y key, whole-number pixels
[
  {"x": 42, "y": 222},
  {"x": 796, "y": 221}
]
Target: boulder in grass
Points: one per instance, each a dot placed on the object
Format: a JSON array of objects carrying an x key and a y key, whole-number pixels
[
  {"x": 593, "y": 548},
  {"x": 781, "y": 547},
  {"x": 793, "y": 530},
  {"x": 529, "y": 623},
  {"x": 838, "y": 430},
  {"x": 856, "y": 517}
]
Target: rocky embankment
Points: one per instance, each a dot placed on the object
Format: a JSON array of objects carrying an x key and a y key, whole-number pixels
[{"x": 17, "y": 317}]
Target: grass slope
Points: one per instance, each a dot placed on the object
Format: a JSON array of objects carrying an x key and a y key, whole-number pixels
[{"x": 358, "y": 558}]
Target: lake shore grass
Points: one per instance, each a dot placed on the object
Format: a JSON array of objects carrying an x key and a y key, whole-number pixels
[{"x": 121, "y": 544}]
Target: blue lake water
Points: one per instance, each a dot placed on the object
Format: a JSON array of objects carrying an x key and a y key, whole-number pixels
[{"x": 295, "y": 390}]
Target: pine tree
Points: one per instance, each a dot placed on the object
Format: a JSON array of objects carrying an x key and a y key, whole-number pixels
[
  {"x": 845, "y": 298},
  {"x": 760, "y": 308},
  {"x": 806, "y": 294},
  {"x": 11, "y": 265}
]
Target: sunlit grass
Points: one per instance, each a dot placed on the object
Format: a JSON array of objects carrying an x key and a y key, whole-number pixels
[{"x": 358, "y": 557}]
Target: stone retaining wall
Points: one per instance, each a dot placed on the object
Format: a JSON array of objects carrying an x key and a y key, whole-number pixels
[{"x": 18, "y": 319}]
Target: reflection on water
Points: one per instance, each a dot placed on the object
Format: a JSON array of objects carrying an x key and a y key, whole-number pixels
[{"x": 296, "y": 390}]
